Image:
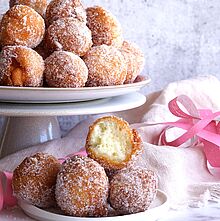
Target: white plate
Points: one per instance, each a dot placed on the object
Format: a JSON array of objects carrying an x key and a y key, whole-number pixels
[
  {"x": 112, "y": 104},
  {"x": 157, "y": 210},
  {"x": 58, "y": 95}
]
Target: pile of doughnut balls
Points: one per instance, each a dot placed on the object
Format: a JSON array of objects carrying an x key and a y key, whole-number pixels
[
  {"x": 63, "y": 44},
  {"x": 103, "y": 183}
]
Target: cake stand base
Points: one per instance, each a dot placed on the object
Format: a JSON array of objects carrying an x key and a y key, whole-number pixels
[{"x": 23, "y": 132}]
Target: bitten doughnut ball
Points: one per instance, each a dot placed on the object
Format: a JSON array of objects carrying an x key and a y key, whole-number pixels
[
  {"x": 132, "y": 190},
  {"x": 68, "y": 34},
  {"x": 135, "y": 60},
  {"x": 82, "y": 188},
  {"x": 112, "y": 143},
  {"x": 65, "y": 8},
  {"x": 38, "y": 5},
  {"x": 104, "y": 26},
  {"x": 65, "y": 69},
  {"x": 106, "y": 66},
  {"x": 34, "y": 180},
  {"x": 22, "y": 25},
  {"x": 21, "y": 66}
]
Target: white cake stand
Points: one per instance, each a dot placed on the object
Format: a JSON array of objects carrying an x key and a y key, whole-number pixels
[{"x": 30, "y": 124}]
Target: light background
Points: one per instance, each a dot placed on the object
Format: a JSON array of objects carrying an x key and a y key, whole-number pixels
[{"x": 180, "y": 38}]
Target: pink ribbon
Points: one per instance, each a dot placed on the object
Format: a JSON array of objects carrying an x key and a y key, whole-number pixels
[
  {"x": 6, "y": 192},
  {"x": 197, "y": 123}
]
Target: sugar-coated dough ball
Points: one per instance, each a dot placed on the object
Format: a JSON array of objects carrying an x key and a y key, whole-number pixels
[
  {"x": 42, "y": 50},
  {"x": 135, "y": 60},
  {"x": 68, "y": 34},
  {"x": 106, "y": 66},
  {"x": 140, "y": 78},
  {"x": 112, "y": 143},
  {"x": 82, "y": 188},
  {"x": 65, "y": 8},
  {"x": 104, "y": 26},
  {"x": 65, "y": 69},
  {"x": 34, "y": 180},
  {"x": 22, "y": 25},
  {"x": 132, "y": 190},
  {"x": 21, "y": 66},
  {"x": 38, "y": 5}
]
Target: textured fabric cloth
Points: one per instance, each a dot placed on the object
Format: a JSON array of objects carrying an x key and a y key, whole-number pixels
[{"x": 183, "y": 172}]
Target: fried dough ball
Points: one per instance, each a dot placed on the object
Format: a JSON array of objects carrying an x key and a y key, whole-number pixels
[
  {"x": 82, "y": 188},
  {"x": 132, "y": 190},
  {"x": 135, "y": 60},
  {"x": 69, "y": 34},
  {"x": 65, "y": 8},
  {"x": 65, "y": 69},
  {"x": 22, "y": 25},
  {"x": 140, "y": 78},
  {"x": 42, "y": 50},
  {"x": 34, "y": 180},
  {"x": 112, "y": 143},
  {"x": 104, "y": 26},
  {"x": 106, "y": 66},
  {"x": 21, "y": 66},
  {"x": 38, "y": 5}
]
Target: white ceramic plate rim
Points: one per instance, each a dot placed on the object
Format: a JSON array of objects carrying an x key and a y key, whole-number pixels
[
  {"x": 34, "y": 212},
  {"x": 65, "y": 95},
  {"x": 82, "y": 89}
]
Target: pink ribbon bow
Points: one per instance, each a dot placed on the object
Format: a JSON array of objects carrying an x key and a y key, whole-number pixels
[
  {"x": 197, "y": 123},
  {"x": 6, "y": 192}
]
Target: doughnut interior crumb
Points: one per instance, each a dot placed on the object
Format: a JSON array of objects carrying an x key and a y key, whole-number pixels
[{"x": 111, "y": 140}]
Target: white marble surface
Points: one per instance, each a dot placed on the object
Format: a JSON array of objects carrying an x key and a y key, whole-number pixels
[{"x": 208, "y": 213}]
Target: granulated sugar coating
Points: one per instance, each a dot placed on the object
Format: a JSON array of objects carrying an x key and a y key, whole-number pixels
[
  {"x": 106, "y": 66},
  {"x": 132, "y": 190},
  {"x": 22, "y": 25},
  {"x": 135, "y": 60},
  {"x": 104, "y": 26},
  {"x": 65, "y": 8},
  {"x": 82, "y": 188},
  {"x": 68, "y": 34},
  {"x": 21, "y": 66},
  {"x": 65, "y": 69},
  {"x": 38, "y": 5},
  {"x": 35, "y": 178}
]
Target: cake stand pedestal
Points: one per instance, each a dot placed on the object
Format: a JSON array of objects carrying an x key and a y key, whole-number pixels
[{"x": 31, "y": 124}]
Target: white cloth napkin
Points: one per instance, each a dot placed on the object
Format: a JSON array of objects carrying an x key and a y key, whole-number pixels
[{"x": 182, "y": 172}]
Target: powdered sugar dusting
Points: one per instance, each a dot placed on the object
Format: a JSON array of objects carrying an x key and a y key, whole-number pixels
[
  {"x": 22, "y": 25},
  {"x": 34, "y": 180},
  {"x": 104, "y": 26},
  {"x": 106, "y": 66},
  {"x": 135, "y": 60},
  {"x": 65, "y": 69},
  {"x": 132, "y": 190},
  {"x": 65, "y": 8},
  {"x": 69, "y": 34},
  {"x": 82, "y": 188},
  {"x": 24, "y": 58}
]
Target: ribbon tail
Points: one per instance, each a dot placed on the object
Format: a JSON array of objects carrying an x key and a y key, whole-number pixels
[
  {"x": 1, "y": 193},
  {"x": 9, "y": 200},
  {"x": 212, "y": 153}
]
